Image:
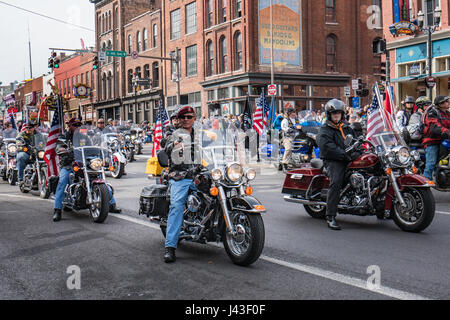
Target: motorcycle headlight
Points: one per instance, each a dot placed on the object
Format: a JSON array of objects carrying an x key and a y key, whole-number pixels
[
  {"x": 216, "y": 174},
  {"x": 250, "y": 174},
  {"x": 133, "y": 137},
  {"x": 12, "y": 148},
  {"x": 235, "y": 172},
  {"x": 41, "y": 154},
  {"x": 127, "y": 137},
  {"x": 403, "y": 155},
  {"x": 96, "y": 164}
]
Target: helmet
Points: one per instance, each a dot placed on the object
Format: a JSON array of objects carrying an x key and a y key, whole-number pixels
[
  {"x": 440, "y": 99},
  {"x": 409, "y": 99},
  {"x": 334, "y": 105},
  {"x": 174, "y": 114},
  {"x": 423, "y": 101},
  {"x": 289, "y": 111}
]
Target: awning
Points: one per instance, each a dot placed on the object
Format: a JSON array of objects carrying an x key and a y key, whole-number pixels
[
  {"x": 442, "y": 74},
  {"x": 421, "y": 77}
]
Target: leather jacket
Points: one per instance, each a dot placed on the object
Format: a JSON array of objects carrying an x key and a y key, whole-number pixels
[
  {"x": 331, "y": 141},
  {"x": 25, "y": 142}
]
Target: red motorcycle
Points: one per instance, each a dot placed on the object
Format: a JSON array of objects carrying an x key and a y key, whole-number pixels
[{"x": 381, "y": 182}]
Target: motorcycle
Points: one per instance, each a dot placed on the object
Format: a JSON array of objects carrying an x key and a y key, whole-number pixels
[
  {"x": 222, "y": 207},
  {"x": 304, "y": 146},
  {"x": 128, "y": 147},
  {"x": 136, "y": 135},
  {"x": 383, "y": 181},
  {"x": 116, "y": 160},
  {"x": 441, "y": 175},
  {"x": 8, "y": 162},
  {"x": 87, "y": 188},
  {"x": 35, "y": 173}
]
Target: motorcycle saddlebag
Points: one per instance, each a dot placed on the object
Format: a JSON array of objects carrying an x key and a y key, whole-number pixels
[{"x": 154, "y": 201}]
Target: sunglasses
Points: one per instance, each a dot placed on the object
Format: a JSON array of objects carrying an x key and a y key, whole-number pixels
[
  {"x": 101, "y": 123},
  {"x": 76, "y": 125},
  {"x": 186, "y": 117}
]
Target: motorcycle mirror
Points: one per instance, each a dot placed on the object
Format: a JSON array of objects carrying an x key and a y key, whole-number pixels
[{"x": 348, "y": 140}]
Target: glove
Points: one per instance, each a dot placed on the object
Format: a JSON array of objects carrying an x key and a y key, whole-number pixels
[{"x": 352, "y": 156}]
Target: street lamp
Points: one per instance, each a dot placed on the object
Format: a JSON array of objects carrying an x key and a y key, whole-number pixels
[{"x": 428, "y": 30}]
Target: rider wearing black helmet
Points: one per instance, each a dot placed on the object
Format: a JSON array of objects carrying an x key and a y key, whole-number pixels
[{"x": 332, "y": 150}]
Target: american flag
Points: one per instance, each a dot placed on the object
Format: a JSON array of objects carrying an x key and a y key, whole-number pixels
[
  {"x": 162, "y": 121},
  {"x": 261, "y": 114},
  {"x": 375, "y": 123},
  {"x": 50, "y": 156}
]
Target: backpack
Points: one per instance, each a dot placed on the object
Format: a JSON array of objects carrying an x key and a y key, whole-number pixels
[
  {"x": 423, "y": 118},
  {"x": 416, "y": 126}
]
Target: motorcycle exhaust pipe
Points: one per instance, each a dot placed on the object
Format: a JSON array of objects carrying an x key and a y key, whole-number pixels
[{"x": 317, "y": 203}]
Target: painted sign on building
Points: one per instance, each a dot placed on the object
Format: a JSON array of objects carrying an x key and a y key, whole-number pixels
[{"x": 286, "y": 32}]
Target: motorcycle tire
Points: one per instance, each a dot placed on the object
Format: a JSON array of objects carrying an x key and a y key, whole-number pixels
[
  {"x": 315, "y": 212},
  {"x": 12, "y": 178},
  {"x": 23, "y": 189},
  {"x": 44, "y": 188},
  {"x": 427, "y": 208},
  {"x": 101, "y": 213},
  {"x": 132, "y": 157},
  {"x": 119, "y": 170},
  {"x": 4, "y": 176},
  {"x": 255, "y": 225}
]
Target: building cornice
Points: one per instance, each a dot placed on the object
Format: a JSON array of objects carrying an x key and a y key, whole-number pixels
[{"x": 437, "y": 35}]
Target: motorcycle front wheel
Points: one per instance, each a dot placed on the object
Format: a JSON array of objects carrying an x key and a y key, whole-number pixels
[
  {"x": 12, "y": 177},
  {"x": 419, "y": 210},
  {"x": 100, "y": 207},
  {"x": 119, "y": 169},
  {"x": 246, "y": 245},
  {"x": 44, "y": 188}
]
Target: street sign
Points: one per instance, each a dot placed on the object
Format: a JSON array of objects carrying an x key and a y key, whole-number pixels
[
  {"x": 272, "y": 90},
  {"x": 134, "y": 55},
  {"x": 430, "y": 81},
  {"x": 355, "y": 102},
  {"x": 347, "y": 92},
  {"x": 102, "y": 56},
  {"x": 121, "y": 54},
  {"x": 355, "y": 84}
]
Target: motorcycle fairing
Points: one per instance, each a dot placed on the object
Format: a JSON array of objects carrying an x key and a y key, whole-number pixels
[
  {"x": 245, "y": 203},
  {"x": 403, "y": 181}
]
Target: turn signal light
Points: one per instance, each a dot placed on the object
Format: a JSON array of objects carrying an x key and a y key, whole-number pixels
[
  {"x": 111, "y": 168},
  {"x": 214, "y": 191},
  {"x": 431, "y": 183},
  {"x": 389, "y": 171},
  {"x": 249, "y": 191},
  {"x": 76, "y": 169},
  {"x": 414, "y": 169},
  {"x": 260, "y": 207},
  {"x": 25, "y": 149}
]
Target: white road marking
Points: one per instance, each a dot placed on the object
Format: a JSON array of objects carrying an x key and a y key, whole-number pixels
[{"x": 348, "y": 280}]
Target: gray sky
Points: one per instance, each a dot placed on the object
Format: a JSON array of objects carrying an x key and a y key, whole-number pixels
[{"x": 45, "y": 33}]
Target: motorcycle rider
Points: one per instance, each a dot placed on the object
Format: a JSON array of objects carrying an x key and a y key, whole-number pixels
[
  {"x": 25, "y": 147},
  {"x": 289, "y": 126},
  {"x": 66, "y": 159},
  {"x": 413, "y": 132},
  {"x": 436, "y": 120},
  {"x": 331, "y": 140},
  {"x": 181, "y": 180},
  {"x": 402, "y": 117},
  {"x": 174, "y": 125}
]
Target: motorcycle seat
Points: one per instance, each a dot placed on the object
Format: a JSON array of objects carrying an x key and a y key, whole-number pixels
[
  {"x": 416, "y": 144},
  {"x": 317, "y": 163}
]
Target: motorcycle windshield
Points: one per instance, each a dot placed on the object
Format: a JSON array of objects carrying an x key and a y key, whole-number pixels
[
  {"x": 387, "y": 140},
  {"x": 309, "y": 121},
  {"x": 87, "y": 144},
  {"x": 40, "y": 141},
  {"x": 10, "y": 133}
]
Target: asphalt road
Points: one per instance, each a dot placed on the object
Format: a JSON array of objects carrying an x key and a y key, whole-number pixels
[{"x": 302, "y": 258}]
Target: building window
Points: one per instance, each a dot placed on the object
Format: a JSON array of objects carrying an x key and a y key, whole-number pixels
[
  {"x": 191, "y": 61},
  {"x": 237, "y": 51},
  {"x": 331, "y": 53},
  {"x": 211, "y": 95},
  {"x": 87, "y": 78},
  {"x": 155, "y": 36},
  {"x": 209, "y": 13},
  {"x": 109, "y": 47},
  {"x": 138, "y": 41},
  {"x": 210, "y": 58},
  {"x": 330, "y": 11},
  {"x": 110, "y": 85},
  {"x": 223, "y": 93},
  {"x": 223, "y": 54},
  {"x": 92, "y": 80},
  {"x": 104, "y": 86},
  {"x": 138, "y": 72},
  {"x": 82, "y": 78},
  {"x": 130, "y": 80},
  {"x": 237, "y": 9},
  {"x": 130, "y": 44},
  {"x": 430, "y": 6},
  {"x": 191, "y": 17},
  {"x": 173, "y": 70},
  {"x": 175, "y": 27},
  {"x": 155, "y": 69},
  {"x": 223, "y": 11},
  {"x": 145, "y": 42}
]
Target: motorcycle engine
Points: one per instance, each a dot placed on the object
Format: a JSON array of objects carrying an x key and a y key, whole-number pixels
[
  {"x": 358, "y": 182},
  {"x": 193, "y": 203}
]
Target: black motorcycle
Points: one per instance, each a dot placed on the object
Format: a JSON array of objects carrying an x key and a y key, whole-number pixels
[
  {"x": 35, "y": 173},
  {"x": 221, "y": 209},
  {"x": 8, "y": 154}
]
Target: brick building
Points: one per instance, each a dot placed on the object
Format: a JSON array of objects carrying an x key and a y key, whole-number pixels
[
  {"x": 88, "y": 77},
  {"x": 408, "y": 46},
  {"x": 66, "y": 77}
]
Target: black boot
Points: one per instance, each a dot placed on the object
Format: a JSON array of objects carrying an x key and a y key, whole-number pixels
[
  {"x": 169, "y": 256},
  {"x": 113, "y": 209},
  {"x": 57, "y": 215},
  {"x": 285, "y": 167},
  {"x": 332, "y": 223}
]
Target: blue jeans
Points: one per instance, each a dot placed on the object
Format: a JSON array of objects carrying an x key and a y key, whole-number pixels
[
  {"x": 64, "y": 179},
  {"x": 178, "y": 195},
  {"x": 431, "y": 154},
  {"x": 23, "y": 159}
]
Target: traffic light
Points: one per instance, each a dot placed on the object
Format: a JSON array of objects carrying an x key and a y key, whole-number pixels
[
  {"x": 383, "y": 71},
  {"x": 51, "y": 60},
  {"x": 362, "y": 90},
  {"x": 56, "y": 63},
  {"x": 95, "y": 63}
]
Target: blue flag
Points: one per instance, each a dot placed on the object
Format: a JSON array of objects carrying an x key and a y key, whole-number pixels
[{"x": 271, "y": 117}]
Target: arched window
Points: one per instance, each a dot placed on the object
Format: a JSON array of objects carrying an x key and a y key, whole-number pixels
[
  {"x": 237, "y": 51},
  {"x": 222, "y": 11},
  {"x": 138, "y": 72},
  {"x": 99, "y": 25},
  {"x": 130, "y": 80},
  {"x": 109, "y": 85},
  {"x": 109, "y": 47},
  {"x": 209, "y": 58},
  {"x": 237, "y": 9},
  {"x": 155, "y": 35},
  {"x": 138, "y": 41},
  {"x": 331, "y": 53},
  {"x": 209, "y": 13},
  {"x": 155, "y": 69},
  {"x": 145, "y": 42},
  {"x": 330, "y": 11},
  {"x": 223, "y": 55},
  {"x": 130, "y": 44},
  {"x": 147, "y": 74},
  {"x": 103, "y": 49},
  {"x": 104, "y": 86}
]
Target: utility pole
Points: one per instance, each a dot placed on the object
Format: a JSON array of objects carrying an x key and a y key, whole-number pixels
[
  {"x": 272, "y": 80},
  {"x": 29, "y": 52},
  {"x": 177, "y": 60}
]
